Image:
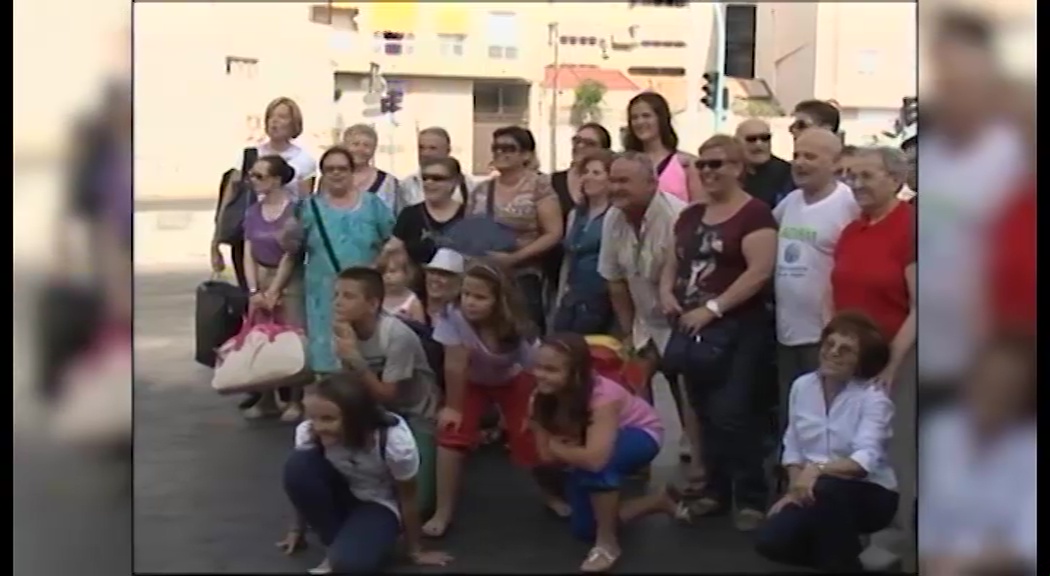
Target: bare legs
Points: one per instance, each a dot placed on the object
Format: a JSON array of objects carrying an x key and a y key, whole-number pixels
[{"x": 449, "y": 469}]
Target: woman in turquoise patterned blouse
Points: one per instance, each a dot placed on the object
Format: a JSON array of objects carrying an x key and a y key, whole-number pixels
[{"x": 357, "y": 225}]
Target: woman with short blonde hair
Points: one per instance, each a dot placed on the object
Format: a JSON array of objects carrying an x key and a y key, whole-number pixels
[{"x": 361, "y": 140}]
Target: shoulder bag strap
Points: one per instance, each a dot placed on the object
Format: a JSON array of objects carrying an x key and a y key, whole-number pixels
[
  {"x": 490, "y": 199},
  {"x": 378, "y": 182},
  {"x": 665, "y": 163},
  {"x": 324, "y": 235}
]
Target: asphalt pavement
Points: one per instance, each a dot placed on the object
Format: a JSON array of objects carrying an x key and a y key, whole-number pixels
[{"x": 207, "y": 491}]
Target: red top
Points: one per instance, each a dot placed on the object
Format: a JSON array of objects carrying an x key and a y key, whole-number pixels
[
  {"x": 868, "y": 274},
  {"x": 1012, "y": 265}
]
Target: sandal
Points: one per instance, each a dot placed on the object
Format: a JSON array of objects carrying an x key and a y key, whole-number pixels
[
  {"x": 599, "y": 560},
  {"x": 694, "y": 486}
]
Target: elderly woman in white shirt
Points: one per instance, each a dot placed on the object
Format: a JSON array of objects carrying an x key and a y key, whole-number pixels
[
  {"x": 978, "y": 469},
  {"x": 841, "y": 482}
]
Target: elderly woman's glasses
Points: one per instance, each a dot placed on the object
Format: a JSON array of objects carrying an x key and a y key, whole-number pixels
[
  {"x": 337, "y": 169},
  {"x": 581, "y": 142},
  {"x": 435, "y": 178}
]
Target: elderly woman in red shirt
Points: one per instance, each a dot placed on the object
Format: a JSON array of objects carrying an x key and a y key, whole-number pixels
[
  {"x": 874, "y": 269},
  {"x": 874, "y": 273}
]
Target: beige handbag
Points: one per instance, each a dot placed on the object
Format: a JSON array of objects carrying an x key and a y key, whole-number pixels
[{"x": 264, "y": 355}]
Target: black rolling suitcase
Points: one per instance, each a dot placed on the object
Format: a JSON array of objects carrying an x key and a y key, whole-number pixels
[{"x": 221, "y": 307}]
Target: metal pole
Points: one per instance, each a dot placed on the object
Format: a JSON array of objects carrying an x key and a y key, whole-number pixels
[
  {"x": 720, "y": 63},
  {"x": 552, "y": 34}
]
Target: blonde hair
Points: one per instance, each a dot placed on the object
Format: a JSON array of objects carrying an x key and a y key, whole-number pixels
[
  {"x": 293, "y": 111},
  {"x": 603, "y": 155},
  {"x": 394, "y": 259},
  {"x": 362, "y": 130},
  {"x": 729, "y": 144}
]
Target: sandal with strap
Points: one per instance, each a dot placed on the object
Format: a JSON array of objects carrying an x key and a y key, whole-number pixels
[{"x": 599, "y": 560}]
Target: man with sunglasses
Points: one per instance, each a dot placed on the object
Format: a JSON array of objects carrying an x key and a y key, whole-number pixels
[
  {"x": 815, "y": 114},
  {"x": 768, "y": 178}
]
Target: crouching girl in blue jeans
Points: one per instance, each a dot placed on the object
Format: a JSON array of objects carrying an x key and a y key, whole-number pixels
[
  {"x": 601, "y": 433},
  {"x": 352, "y": 479}
]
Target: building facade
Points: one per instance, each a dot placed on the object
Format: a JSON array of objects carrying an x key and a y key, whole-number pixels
[{"x": 205, "y": 71}]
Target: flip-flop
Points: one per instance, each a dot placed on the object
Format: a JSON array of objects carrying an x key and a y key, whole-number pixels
[{"x": 599, "y": 560}]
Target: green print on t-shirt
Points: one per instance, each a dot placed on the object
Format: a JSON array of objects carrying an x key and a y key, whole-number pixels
[{"x": 799, "y": 233}]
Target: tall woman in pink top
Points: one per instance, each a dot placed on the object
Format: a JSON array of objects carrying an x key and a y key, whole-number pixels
[
  {"x": 649, "y": 130},
  {"x": 602, "y": 433}
]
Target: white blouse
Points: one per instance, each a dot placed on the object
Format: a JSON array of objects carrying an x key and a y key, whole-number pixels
[
  {"x": 855, "y": 426},
  {"x": 371, "y": 477},
  {"x": 974, "y": 497}
]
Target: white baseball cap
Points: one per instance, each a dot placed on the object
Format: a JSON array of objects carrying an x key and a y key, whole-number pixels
[{"x": 447, "y": 260}]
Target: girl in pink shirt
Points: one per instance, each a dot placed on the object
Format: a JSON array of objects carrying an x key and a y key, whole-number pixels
[{"x": 602, "y": 434}]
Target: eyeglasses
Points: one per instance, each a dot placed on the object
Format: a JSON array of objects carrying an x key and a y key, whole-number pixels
[
  {"x": 505, "y": 149},
  {"x": 434, "y": 178},
  {"x": 709, "y": 164},
  {"x": 753, "y": 138},
  {"x": 337, "y": 169},
  {"x": 580, "y": 142},
  {"x": 257, "y": 176}
]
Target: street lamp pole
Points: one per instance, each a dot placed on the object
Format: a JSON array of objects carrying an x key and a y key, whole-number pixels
[
  {"x": 552, "y": 38},
  {"x": 720, "y": 63}
]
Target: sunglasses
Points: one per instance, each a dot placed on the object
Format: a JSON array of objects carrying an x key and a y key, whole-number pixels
[
  {"x": 505, "y": 149},
  {"x": 580, "y": 142},
  {"x": 257, "y": 176},
  {"x": 709, "y": 164},
  {"x": 753, "y": 138},
  {"x": 337, "y": 169},
  {"x": 434, "y": 178}
]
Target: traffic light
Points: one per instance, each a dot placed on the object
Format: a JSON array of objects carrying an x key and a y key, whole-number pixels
[
  {"x": 909, "y": 111},
  {"x": 710, "y": 85},
  {"x": 391, "y": 102}
]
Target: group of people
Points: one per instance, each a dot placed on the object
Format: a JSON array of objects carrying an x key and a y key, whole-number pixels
[{"x": 696, "y": 261}]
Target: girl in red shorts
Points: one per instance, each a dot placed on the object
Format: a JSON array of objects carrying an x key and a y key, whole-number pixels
[{"x": 488, "y": 344}]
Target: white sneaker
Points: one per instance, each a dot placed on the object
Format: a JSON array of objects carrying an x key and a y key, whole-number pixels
[{"x": 322, "y": 568}]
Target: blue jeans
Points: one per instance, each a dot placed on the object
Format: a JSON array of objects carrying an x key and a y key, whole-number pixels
[
  {"x": 360, "y": 536},
  {"x": 726, "y": 401},
  {"x": 826, "y": 534},
  {"x": 634, "y": 449},
  {"x": 585, "y": 316}
]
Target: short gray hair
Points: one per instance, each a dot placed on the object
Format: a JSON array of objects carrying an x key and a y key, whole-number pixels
[
  {"x": 437, "y": 131},
  {"x": 363, "y": 130},
  {"x": 640, "y": 158},
  {"x": 894, "y": 161}
]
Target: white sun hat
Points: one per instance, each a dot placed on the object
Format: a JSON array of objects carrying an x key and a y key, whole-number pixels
[{"x": 447, "y": 260}]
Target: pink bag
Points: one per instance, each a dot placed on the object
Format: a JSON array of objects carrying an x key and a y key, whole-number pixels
[{"x": 263, "y": 356}]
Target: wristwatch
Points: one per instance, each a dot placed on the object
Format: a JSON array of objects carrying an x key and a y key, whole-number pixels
[{"x": 713, "y": 306}]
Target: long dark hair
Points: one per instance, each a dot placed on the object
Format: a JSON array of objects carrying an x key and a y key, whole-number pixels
[
  {"x": 362, "y": 415},
  {"x": 570, "y": 409},
  {"x": 668, "y": 137}
]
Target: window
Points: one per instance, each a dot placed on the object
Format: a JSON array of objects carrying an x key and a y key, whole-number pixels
[
  {"x": 451, "y": 44},
  {"x": 497, "y": 98},
  {"x": 867, "y": 62},
  {"x": 393, "y": 43},
  {"x": 242, "y": 68},
  {"x": 338, "y": 18},
  {"x": 740, "y": 41},
  {"x": 502, "y": 29}
]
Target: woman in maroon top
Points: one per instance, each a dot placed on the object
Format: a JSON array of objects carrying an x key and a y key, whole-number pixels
[
  {"x": 722, "y": 258},
  {"x": 874, "y": 269}
]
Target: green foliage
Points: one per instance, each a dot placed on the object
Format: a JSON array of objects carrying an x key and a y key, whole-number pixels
[{"x": 587, "y": 104}]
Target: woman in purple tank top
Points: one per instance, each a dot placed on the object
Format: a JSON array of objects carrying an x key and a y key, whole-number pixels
[
  {"x": 602, "y": 434},
  {"x": 649, "y": 130},
  {"x": 264, "y": 222}
]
